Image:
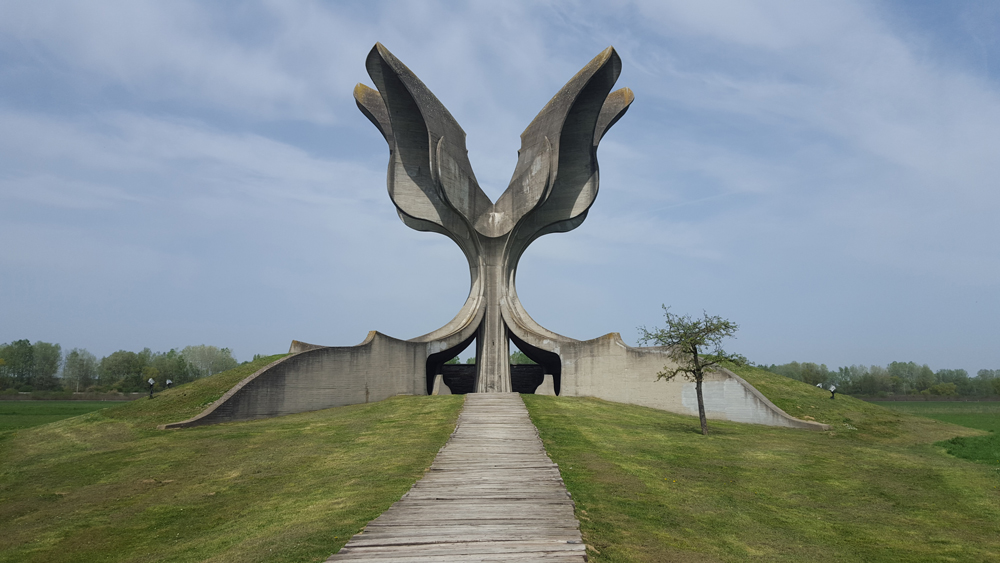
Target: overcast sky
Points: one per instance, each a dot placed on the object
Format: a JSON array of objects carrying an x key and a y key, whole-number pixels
[{"x": 822, "y": 173}]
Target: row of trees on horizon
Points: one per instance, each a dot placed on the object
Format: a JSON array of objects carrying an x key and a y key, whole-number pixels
[
  {"x": 896, "y": 379},
  {"x": 516, "y": 357},
  {"x": 43, "y": 367}
]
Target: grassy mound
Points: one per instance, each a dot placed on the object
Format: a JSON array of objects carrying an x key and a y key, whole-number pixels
[
  {"x": 650, "y": 487},
  {"x": 184, "y": 402},
  {"x": 845, "y": 414},
  {"x": 108, "y": 486}
]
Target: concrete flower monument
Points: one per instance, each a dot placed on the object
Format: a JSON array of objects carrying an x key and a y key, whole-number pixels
[
  {"x": 432, "y": 184},
  {"x": 433, "y": 187}
]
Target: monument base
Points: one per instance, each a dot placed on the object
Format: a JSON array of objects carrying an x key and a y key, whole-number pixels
[{"x": 318, "y": 377}]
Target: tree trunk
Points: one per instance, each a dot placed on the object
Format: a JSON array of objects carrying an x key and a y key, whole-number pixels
[{"x": 701, "y": 407}]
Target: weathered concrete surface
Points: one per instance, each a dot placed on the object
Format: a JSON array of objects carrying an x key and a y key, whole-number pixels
[
  {"x": 322, "y": 377},
  {"x": 492, "y": 494},
  {"x": 431, "y": 182},
  {"x": 381, "y": 367},
  {"x": 440, "y": 388},
  {"x": 609, "y": 369}
]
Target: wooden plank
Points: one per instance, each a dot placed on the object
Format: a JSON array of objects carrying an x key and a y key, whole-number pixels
[{"x": 492, "y": 494}]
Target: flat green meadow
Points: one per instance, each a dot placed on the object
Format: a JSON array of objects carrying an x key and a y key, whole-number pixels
[
  {"x": 25, "y": 414},
  {"x": 983, "y": 415}
]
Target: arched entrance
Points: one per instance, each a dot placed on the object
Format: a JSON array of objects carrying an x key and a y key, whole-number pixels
[{"x": 524, "y": 378}]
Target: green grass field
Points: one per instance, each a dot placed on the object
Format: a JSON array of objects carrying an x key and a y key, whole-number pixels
[
  {"x": 982, "y": 415},
  {"x": 649, "y": 487},
  {"x": 25, "y": 414},
  {"x": 108, "y": 486}
]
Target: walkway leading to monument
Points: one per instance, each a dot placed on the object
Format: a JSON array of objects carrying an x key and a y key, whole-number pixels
[{"x": 492, "y": 494}]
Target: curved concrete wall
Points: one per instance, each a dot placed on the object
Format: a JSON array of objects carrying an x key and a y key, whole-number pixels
[
  {"x": 319, "y": 377},
  {"x": 323, "y": 377},
  {"x": 609, "y": 369}
]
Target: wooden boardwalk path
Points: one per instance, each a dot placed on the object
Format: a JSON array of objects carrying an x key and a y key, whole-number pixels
[{"x": 492, "y": 494}]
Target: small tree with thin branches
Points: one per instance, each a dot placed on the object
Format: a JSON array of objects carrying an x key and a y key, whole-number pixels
[{"x": 695, "y": 346}]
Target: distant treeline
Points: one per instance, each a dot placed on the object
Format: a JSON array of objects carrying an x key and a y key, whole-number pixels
[
  {"x": 42, "y": 367},
  {"x": 517, "y": 357},
  {"x": 898, "y": 378}
]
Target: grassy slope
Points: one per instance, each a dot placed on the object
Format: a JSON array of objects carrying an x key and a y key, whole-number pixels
[
  {"x": 107, "y": 486},
  {"x": 649, "y": 487},
  {"x": 25, "y": 414}
]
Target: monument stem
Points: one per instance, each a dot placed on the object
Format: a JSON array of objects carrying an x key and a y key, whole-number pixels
[{"x": 492, "y": 340}]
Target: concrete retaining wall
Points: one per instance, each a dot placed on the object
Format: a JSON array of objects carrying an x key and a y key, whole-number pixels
[
  {"x": 609, "y": 369},
  {"x": 316, "y": 377},
  {"x": 323, "y": 377}
]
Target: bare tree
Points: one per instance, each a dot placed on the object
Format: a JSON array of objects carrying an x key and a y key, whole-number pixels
[
  {"x": 209, "y": 360},
  {"x": 695, "y": 346},
  {"x": 80, "y": 368}
]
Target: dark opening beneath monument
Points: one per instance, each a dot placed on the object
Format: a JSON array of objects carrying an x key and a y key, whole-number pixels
[
  {"x": 524, "y": 378},
  {"x": 549, "y": 361},
  {"x": 461, "y": 378}
]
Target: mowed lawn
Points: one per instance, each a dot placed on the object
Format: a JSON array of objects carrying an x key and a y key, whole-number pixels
[
  {"x": 108, "y": 486},
  {"x": 25, "y": 414},
  {"x": 649, "y": 487},
  {"x": 984, "y": 415}
]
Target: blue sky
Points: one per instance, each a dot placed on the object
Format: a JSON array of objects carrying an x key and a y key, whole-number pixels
[{"x": 822, "y": 173}]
